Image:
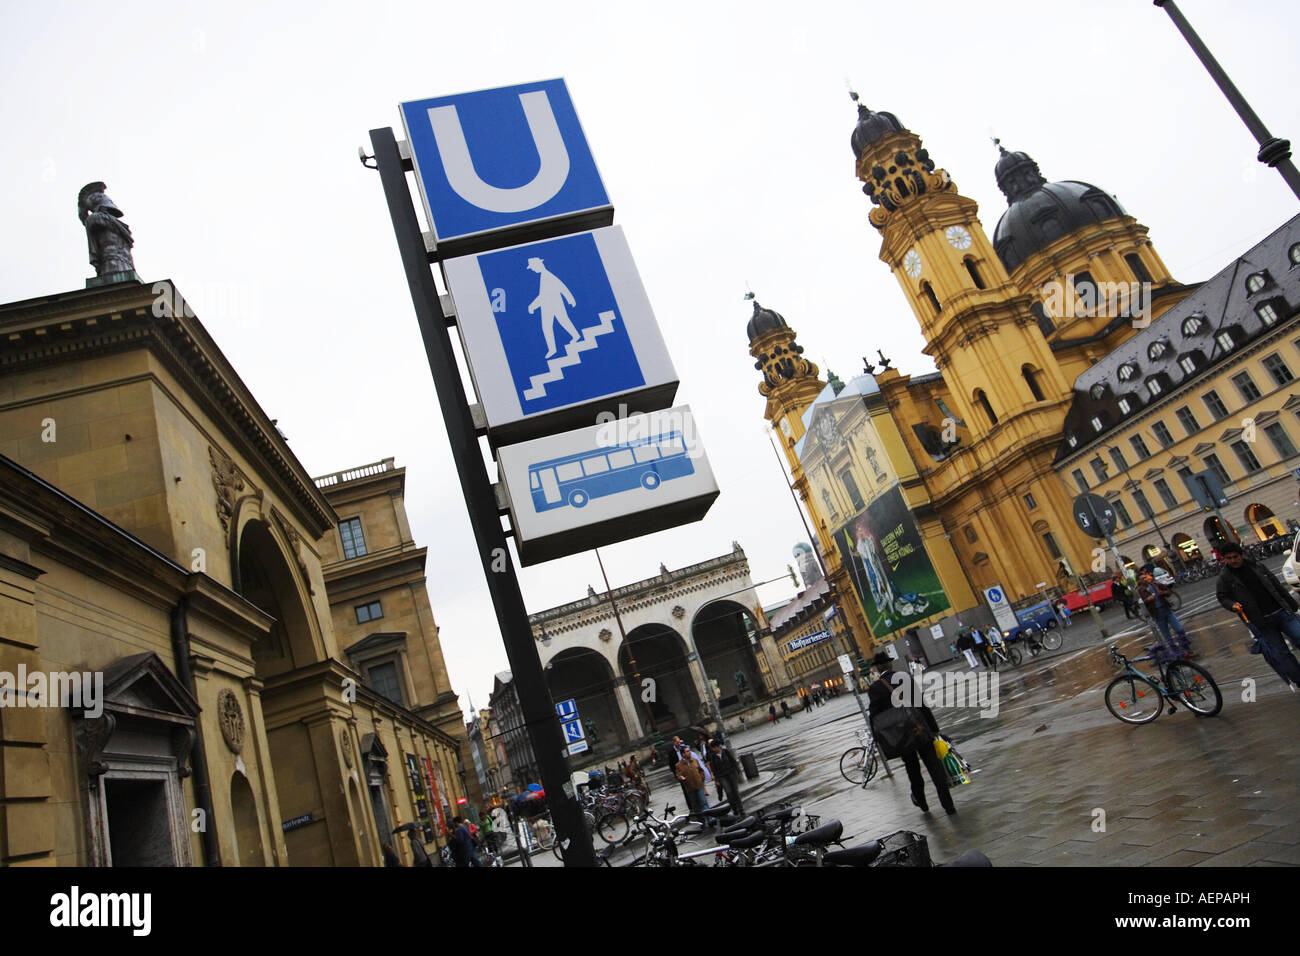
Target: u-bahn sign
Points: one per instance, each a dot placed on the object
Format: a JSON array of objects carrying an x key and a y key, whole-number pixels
[
  {"x": 609, "y": 482},
  {"x": 558, "y": 331},
  {"x": 503, "y": 165}
]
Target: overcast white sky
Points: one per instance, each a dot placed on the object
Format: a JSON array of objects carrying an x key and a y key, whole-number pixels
[{"x": 228, "y": 133}]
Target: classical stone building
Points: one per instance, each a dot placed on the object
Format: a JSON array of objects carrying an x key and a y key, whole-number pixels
[
  {"x": 633, "y": 671},
  {"x": 156, "y": 529},
  {"x": 382, "y": 618}
]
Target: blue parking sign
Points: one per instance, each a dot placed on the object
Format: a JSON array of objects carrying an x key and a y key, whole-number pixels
[{"x": 499, "y": 160}]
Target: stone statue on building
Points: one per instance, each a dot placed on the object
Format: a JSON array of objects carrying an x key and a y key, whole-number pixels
[{"x": 108, "y": 237}]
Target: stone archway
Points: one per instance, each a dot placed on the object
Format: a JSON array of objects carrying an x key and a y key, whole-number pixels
[
  {"x": 1218, "y": 532},
  {"x": 725, "y": 634},
  {"x": 1186, "y": 545},
  {"x": 585, "y": 676},
  {"x": 660, "y": 656},
  {"x": 267, "y": 580}
]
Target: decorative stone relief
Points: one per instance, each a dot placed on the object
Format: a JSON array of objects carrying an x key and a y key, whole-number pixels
[
  {"x": 228, "y": 480},
  {"x": 605, "y": 635},
  {"x": 295, "y": 542},
  {"x": 231, "y": 718},
  {"x": 346, "y": 743},
  {"x": 679, "y": 612}
]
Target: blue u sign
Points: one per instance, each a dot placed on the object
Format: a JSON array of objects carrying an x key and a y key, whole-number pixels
[{"x": 500, "y": 159}]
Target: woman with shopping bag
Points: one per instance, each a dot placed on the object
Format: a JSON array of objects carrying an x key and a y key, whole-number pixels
[{"x": 907, "y": 732}]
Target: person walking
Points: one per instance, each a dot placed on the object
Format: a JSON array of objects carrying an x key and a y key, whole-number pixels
[
  {"x": 462, "y": 844},
  {"x": 785, "y": 710},
  {"x": 981, "y": 646},
  {"x": 807, "y": 703},
  {"x": 1119, "y": 591},
  {"x": 1250, "y": 589},
  {"x": 1155, "y": 597},
  {"x": 880, "y": 698},
  {"x": 966, "y": 644},
  {"x": 727, "y": 775},
  {"x": 691, "y": 775},
  {"x": 771, "y": 713}
]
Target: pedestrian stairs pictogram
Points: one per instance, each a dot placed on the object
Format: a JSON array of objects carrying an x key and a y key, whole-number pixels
[{"x": 572, "y": 356}]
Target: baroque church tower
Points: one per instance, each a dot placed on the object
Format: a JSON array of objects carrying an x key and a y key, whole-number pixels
[{"x": 985, "y": 430}]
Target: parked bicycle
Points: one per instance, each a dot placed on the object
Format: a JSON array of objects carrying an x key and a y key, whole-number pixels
[
  {"x": 1002, "y": 654},
  {"x": 1138, "y": 698},
  {"x": 859, "y": 764},
  {"x": 1036, "y": 640}
]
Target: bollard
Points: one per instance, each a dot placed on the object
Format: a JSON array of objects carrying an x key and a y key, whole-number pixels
[{"x": 750, "y": 765}]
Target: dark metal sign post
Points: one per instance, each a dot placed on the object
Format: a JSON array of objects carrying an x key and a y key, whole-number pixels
[{"x": 540, "y": 719}]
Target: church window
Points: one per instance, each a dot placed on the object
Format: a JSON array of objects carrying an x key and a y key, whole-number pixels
[
  {"x": 930, "y": 297},
  {"x": 383, "y": 679},
  {"x": 1032, "y": 381},
  {"x": 851, "y": 486},
  {"x": 1137, "y": 267},
  {"x": 1085, "y": 287},
  {"x": 983, "y": 401},
  {"x": 974, "y": 272}
]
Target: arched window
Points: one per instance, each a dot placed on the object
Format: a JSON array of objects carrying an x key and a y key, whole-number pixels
[
  {"x": 1031, "y": 379},
  {"x": 974, "y": 272},
  {"x": 982, "y": 401},
  {"x": 930, "y": 297}
]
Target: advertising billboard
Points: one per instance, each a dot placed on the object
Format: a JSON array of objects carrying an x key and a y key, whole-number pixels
[{"x": 895, "y": 582}]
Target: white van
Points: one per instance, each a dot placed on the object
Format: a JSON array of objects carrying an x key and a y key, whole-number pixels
[{"x": 1291, "y": 569}]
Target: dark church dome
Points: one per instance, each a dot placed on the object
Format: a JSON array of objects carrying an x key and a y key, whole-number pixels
[
  {"x": 871, "y": 127},
  {"x": 1040, "y": 212},
  {"x": 763, "y": 321}
]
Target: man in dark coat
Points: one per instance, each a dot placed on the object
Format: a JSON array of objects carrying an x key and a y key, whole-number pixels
[
  {"x": 880, "y": 698},
  {"x": 1249, "y": 588},
  {"x": 727, "y": 774}
]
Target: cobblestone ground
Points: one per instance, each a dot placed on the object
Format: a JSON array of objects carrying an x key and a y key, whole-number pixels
[{"x": 1182, "y": 791}]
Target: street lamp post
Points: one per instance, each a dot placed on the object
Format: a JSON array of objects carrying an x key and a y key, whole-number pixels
[{"x": 1273, "y": 151}]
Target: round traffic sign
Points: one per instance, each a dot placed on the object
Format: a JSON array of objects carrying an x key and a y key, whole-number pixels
[{"x": 1094, "y": 515}]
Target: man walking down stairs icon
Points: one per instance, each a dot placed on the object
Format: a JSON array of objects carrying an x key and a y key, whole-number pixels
[{"x": 552, "y": 295}]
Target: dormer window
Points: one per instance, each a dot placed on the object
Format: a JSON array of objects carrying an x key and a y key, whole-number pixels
[
  {"x": 1124, "y": 406},
  {"x": 1157, "y": 350},
  {"x": 1188, "y": 363},
  {"x": 1225, "y": 341},
  {"x": 1267, "y": 314},
  {"x": 1294, "y": 254},
  {"x": 1256, "y": 281},
  {"x": 1127, "y": 372},
  {"x": 1096, "y": 423},
  {"x": 1098, "y": 391},
  {"x": 1154, "y": 386},
  {"x": 1195, "y": 324},
  {"x": 1072, "y": 441}
]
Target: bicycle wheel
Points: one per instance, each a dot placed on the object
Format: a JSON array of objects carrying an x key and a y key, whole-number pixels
[
  {"x": 612, "y": 827},
  {"x": 1014, "y": 654},
  {"x": 854, "y": 766},
  {"x": 1052, "y": 640},
  {"x": 1133, "y": 699},
  {"x": 634, "y": 803},
  {"x": 1195, "y": 687}
]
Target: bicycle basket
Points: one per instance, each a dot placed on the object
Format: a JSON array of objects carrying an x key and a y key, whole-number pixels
[{"x": 904, "y": 848}]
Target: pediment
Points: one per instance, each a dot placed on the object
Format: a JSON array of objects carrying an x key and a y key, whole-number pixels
[
  {"x": 1204, "y": 448},
  {"x": 143, "y": 685}
]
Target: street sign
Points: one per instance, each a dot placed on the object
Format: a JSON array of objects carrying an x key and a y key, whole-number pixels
[
  {"x": 1001, "y": 607},
  {"x": 503, "y": 165},
  {"x": 1094, "y": 515},
  {"x": 809, "y": 639},
  {"x": 574, "y": 736},
  {"x": 846, "y": 664},
  {"x": 567, "y": 709},
  {"x": 558, "y": 331},
  {"x": 582, "y": 489}
]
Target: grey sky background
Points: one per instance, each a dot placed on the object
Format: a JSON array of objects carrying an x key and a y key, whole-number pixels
[{"x": 228, "y": 133}]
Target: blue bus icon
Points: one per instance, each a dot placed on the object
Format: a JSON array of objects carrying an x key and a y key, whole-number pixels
[{"x": 576, "y": 479}]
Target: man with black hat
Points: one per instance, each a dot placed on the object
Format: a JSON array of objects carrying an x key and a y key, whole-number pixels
[
  {"x": 880, "y": 698},
  {"x": 1250, "y": 589}
]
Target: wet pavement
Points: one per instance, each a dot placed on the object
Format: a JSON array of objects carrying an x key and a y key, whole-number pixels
[{"x": 1058, "y": 780}]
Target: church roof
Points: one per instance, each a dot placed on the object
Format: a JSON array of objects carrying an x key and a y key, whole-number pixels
[
  {"x": 1039, "y": 212},
  {"x": 871, "y": 127},
  {"x": 763, "y": 321},
  {"x": 1207, "y": 328}
]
